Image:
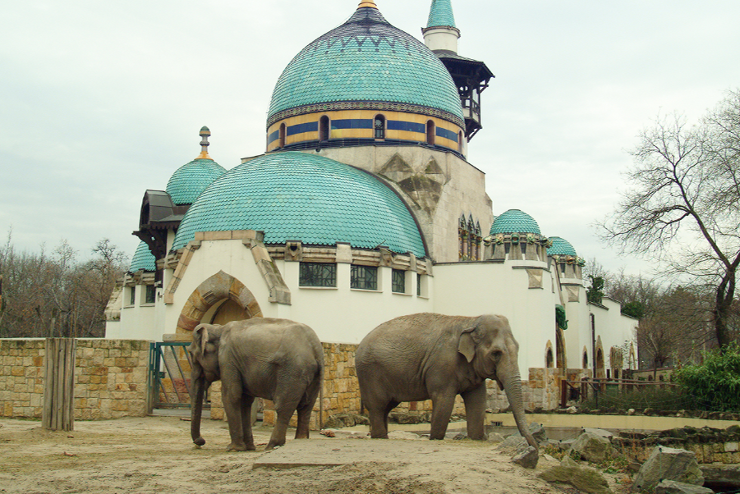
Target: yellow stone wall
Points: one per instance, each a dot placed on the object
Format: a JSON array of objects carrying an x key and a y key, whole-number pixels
[{"x": 110, "y": 378}]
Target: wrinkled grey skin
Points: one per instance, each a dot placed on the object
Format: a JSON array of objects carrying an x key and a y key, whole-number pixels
[
  {"x": 423, "y": 356},
  {"x": 275, "y": 359}
]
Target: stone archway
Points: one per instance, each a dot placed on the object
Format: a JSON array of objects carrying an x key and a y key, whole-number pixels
[
  {"x": 218, "y": 288},
  {"x": 562, "y": 361}
]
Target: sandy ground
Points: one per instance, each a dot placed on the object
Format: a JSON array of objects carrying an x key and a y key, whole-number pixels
[{"x": 155, "y": 454}]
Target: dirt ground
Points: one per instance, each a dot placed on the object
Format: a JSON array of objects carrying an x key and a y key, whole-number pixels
[{"x": 155, "y": 454}]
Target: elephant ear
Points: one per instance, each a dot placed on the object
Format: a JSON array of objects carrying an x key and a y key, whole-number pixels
[
  {"x": 466, "y": 344},
  {"x": 200, "y": 340}
]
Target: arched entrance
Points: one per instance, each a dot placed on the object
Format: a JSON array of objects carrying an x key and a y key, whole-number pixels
[{"x": 219, "y": 299}]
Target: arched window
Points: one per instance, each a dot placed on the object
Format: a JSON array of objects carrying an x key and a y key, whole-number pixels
[
  {"x": 549, "y": 358},
  {"x": 282, "y": 135},
  {"x": 585, "y": 359},
  {"x": 430, "y": 133},
  {"x": 324, "y": 128},
  {"x": 460, "y": 141},
  {"x": 379, "y": 126}
]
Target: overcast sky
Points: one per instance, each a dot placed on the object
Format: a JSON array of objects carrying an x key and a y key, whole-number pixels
[{"x": 100, "y": 101}]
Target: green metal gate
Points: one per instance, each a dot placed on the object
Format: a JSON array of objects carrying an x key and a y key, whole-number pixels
[{"x": 169, "y": 375}]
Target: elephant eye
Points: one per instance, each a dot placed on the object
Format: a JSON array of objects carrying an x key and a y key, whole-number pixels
[{"x": 497, "y": 354}]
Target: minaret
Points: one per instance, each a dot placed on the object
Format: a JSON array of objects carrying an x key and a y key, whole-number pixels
[
  {"x": 471, "y": 76},
  {"x": 205, "y": 133},
  {"x": 441, "y": 33}
]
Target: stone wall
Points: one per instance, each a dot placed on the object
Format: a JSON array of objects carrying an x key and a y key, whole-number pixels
[
  {"x": 710, "y": 445},
  {"x": 110, "y": 378}
]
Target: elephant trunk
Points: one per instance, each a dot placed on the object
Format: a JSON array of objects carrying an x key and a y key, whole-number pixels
[
  {"x": 197, "y": 393},
  {"x": 513, "y": 388}
]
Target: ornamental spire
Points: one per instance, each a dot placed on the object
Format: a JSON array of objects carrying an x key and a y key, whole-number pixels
[
  {"x": 205, "y": 134},
  {"x": 441, "y": 14},
  {"x": 367, "y": 3}
]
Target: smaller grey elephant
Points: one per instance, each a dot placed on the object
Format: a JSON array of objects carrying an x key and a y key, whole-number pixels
[
  {"x": 422, "y": 356},
  {"x": 275, "y": 359}
]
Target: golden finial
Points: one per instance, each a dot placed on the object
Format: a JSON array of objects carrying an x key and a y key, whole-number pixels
[{"x": 367, "y": 3}]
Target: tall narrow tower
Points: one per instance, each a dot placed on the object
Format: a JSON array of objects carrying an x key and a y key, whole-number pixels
[{"x": 471, "y": 76}]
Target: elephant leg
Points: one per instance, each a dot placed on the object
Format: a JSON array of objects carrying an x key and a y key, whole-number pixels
[
  {"x": 475, "y": 409},
  {"x": 246, "y": 417},
  {"x": 379, "y": 419},
  {"x": 305, "y": 408},
  {"x": 284, "y": 413},
  {"x": 442, "y": 405},
  {"x": 232, "y": 398}
]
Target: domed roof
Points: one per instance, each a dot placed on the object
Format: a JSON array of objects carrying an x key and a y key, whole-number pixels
[
  {"x": 515, "y": 221},
  {"x": 364, "y": 62},
  {"x": 186, "y": 184},
  {"x": 300, "y": 196},
  {"x": 143, "y": 259},
  {"x": 561, "y": 247}
]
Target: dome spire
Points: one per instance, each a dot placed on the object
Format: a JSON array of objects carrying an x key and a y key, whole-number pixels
[
  {"x": 367, "y": 3},
  {"x": 204, "y": 133},
  {"x": 441, "y": 32}
]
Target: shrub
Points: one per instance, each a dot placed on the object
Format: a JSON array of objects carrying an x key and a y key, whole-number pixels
[{"x": 714, "y": 384}]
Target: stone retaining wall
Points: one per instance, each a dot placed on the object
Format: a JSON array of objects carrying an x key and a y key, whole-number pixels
[
  {"x": 710, "y": 445},
  {"x": 110, "y": 378}
]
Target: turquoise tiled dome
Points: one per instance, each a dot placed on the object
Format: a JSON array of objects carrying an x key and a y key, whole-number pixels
[
  {"x": 561, "y": 247},
  {"x": 143, "y": 259},
  {"x": 441, "y": 14},
  {"x": 366, "y": 62},
  {"x": 514, "y": 221},
  {"x": 300, "y": 196},
  {"x": 191, "y": 179}
]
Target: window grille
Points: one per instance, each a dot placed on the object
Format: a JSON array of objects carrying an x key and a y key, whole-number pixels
[
  {"x": 317, "y": 274},
  {"x": 399, "y": 281},
  {"x": 364, "y": 277}
]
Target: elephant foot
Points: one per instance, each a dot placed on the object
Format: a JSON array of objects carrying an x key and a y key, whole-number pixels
[
  {"x": 237, "y": 447},
  {"x": 199, "y": 441}
]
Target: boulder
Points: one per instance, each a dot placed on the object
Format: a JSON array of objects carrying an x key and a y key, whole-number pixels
[
  {"x": 722, "y": 477},
  {"x": 513, "y": 445},
  {"x": 593, "y": 447},
  {"x": 668, "y": 464},
  {"x": 599, "y": 432},
  {"x": 538, "y": 432},
  {"x": 527, "y": 458},
  {"x": 582, "y": 478},
  {"x": 673, "y": 487}
]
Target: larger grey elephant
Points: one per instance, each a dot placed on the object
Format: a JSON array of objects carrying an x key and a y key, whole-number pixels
[
  {"x": 422, "y": 356},
  {"x": 275, "y": 359}
]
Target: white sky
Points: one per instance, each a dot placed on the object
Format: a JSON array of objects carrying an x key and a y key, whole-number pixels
[{"x": 100, "y": 101}]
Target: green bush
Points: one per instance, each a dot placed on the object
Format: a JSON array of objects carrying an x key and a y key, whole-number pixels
[{"x": 714, "y": 384}]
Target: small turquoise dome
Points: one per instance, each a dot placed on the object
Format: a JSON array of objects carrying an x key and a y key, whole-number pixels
[
  {"x": 561, "y": 247},
  {"x": 306, "y": 197},
  {"x": 143, "y": 259},
  {"x": 191, "y": 179},
  {"x": 514, "y": 221},
  {"x": 366, "y": 63}
]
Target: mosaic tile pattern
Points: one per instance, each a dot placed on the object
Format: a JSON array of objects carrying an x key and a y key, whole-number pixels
[
  {"x": 143, "y": 259},
  {"x": 514, "y": 221},
  {"x": 441, "y": 14},
  {"x": 302, "y": 196},
  {"x": 191, "y": 179},
  {"x": 561, "y": 247},
  {"x": 366, "y": 60}
]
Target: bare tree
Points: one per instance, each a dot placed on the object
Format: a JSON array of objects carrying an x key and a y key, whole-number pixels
[{"x": 683, "y": 209}]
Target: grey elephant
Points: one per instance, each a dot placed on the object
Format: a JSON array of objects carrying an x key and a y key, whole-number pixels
[
  {"x": 275, "y": 359},
  {"x": 422, "y": 356}
]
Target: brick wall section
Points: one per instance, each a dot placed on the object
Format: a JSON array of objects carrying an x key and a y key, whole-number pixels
[{"x": 110, "y": 378}]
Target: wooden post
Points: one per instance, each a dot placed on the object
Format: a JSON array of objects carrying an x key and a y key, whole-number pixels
[{"x": 59, "y": 381}]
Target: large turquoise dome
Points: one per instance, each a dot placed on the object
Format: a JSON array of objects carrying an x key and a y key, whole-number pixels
[
  {"x": 366, "y": 63},
  {"x": 300, "y": 196},
  {"x": 191, "y": 179}
]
